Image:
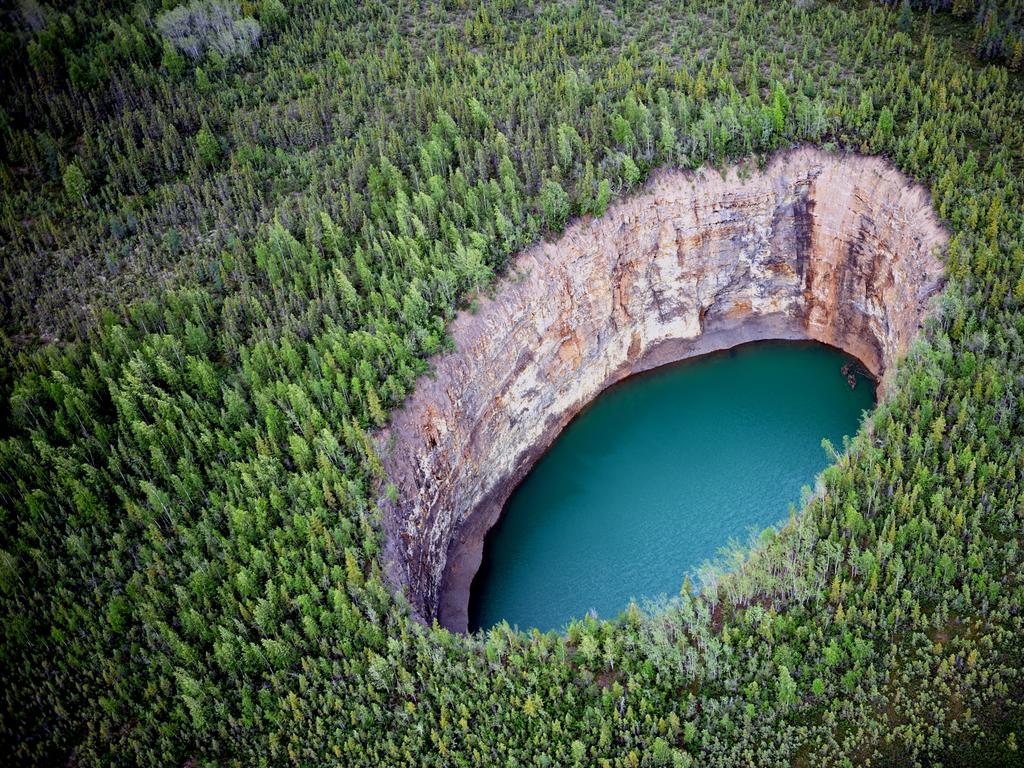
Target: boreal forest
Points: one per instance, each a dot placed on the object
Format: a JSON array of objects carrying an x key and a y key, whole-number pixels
[{"x": 232, "y": 235}]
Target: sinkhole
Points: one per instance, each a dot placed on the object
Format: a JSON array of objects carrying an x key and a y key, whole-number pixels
[{"x": 842, "y": 250}]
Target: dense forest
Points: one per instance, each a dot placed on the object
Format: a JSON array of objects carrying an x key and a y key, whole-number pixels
[{"x": 232, "y": 235}]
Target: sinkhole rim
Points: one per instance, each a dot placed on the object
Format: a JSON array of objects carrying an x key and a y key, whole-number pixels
[{"x": 842, "y": 249}]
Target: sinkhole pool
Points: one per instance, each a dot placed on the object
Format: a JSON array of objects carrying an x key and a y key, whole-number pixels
[{"x": 658, "y": 474}]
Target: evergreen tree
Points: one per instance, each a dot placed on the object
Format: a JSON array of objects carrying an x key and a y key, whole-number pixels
[{"x": 75, "y": 184}]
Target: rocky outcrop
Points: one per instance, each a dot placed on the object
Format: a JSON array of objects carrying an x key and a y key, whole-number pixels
[{"x": 839, "y": 249}]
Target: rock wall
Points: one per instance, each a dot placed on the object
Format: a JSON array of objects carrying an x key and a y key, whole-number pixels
[{"x": 839, "y": 249}]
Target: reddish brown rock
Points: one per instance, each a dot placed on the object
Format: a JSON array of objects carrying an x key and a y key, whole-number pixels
[{"x": 839, "y": 249}]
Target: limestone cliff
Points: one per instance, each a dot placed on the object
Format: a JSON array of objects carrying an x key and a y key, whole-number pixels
[{"x": 839, "y": 249}]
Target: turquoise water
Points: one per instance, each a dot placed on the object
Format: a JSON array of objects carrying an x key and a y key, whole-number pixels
[{"x": 657, "y": 475}]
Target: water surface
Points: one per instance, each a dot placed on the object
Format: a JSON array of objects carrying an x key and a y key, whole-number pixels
[{"x": 658, "y": 474}]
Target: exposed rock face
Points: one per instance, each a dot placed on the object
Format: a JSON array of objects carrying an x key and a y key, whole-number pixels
[{"x": 843, "y": 250}]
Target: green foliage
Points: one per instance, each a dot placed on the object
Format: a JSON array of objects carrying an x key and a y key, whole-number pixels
[
  {"x": 554, "y": 202},
  {"x": 780, "y": 109},
  {"x": 273, "y": 15},
  {"x": 171, "y": 61},
  {"x": 786, "y": 688},
  {"x": 568, "y": 141},
  {"x": 207, "y": 147},
  {"x": 906, "y": 19},
  {"x": 885, "y": 124},
  {"x": 604, "y": 196},
  {"x": 191, "y": 557},
  {"x": 75, "y": 184},
  {"x": 998, "y": 31},
  {"x": 630, "y": 171}
]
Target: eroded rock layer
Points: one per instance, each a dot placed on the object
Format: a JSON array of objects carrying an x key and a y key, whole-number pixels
[{"x": 838, "y": 249}]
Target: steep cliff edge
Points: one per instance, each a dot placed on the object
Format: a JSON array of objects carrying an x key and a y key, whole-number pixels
[{"x": 838, "y": 249}]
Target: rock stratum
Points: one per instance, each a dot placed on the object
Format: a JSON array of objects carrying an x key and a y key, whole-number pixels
[{"x": 839, "y": 249}]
